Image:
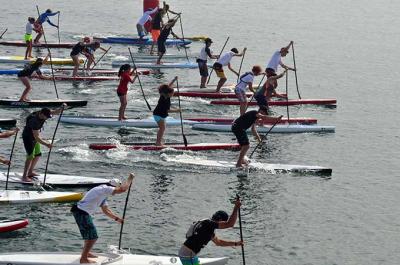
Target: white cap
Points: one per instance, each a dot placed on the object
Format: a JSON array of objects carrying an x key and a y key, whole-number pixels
[{"x": 115, "y": 182}]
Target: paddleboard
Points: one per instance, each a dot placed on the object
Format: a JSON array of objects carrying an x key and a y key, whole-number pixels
[
  {"x": 114, "y": 122},
  {"x": 230, "y": 120},
  {"x": 290, "y": 102},
  {"x": 152, "y": 147},
  {"x": 16, "y": 71},
  {"x": 12, "y": 225},
  {"x": 113, "y": 257},
  {"x": 21, "y": 60},
  {"x": 138, "y": 41},
  {"x": 25, "y": 196},
  {"x": 280, "y": 128},
  {"x": 257, "y": 166},
  {"x": 65, "y": 45},
  {"x": 8, "y": 122},
  {"x": 184, "y": 65},
  {"x": 155, "y": 56},
  {"x": 95, "y": 78},
  {"x": 42, "y": 103},
  {"x": 56, "y": 180}
]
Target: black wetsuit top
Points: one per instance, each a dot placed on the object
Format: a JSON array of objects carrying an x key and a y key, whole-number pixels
[
  {"x": 29, "y": 69},
  {"x": 163, "y": 106},
  {"x": 202, "y": 234}
]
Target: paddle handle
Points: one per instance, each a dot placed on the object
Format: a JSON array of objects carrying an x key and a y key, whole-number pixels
[
  {"x": 11, "y": 155},
  {"x": 287, "y": 95},
  {"x": 4, "y": 32},
  {"x": 101, "y": 57},
  {"x": 51, "y": 147},
  {"x": 241, "y": 232},
  {"x": 252, "y": 97},
  {"x": 123, "y": 217},
  {"x": 140, "y": 83},
  {"x": 212, "y": 69},
  {"x": 183, "y": 36},
  {"x": 240, "y": 67},
  {"x": 58, "y": 28},
  {"x": 180, "y": 114}
]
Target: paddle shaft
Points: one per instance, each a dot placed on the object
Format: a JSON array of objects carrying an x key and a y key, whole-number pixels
[
  {"x": 183, "y": 36},
  {"x": 140, "y": 83},
  {"x": 123, "y": 216},
  {"x": 240, "y": 67},
  {"x": 101, "y": 57},
  {"x": 51, "y": 60},
  {"x": 287, "y": 96},
  {"x": 241, "y": 232},
  {"x": 58, "y": 28},
  {"x": 4, "y": 32},
  {"x": 265, "y": 136},
  {"x": 180, "y": 114},
  {"x": 11, "y": 155},
  {"x": 212, "y": 69},
  {"x": 258, "y": 87},
  {"x": 52, "y": 141},
  {"x": 295, "y": 72}
]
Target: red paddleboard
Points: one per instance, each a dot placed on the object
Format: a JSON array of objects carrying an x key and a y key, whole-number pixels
[
  {"x": 81, "y": 78},
  {"x": 290, "y": 102},
  {"x": 65, "y": 45},
  {"x": 100, "y": 71},
  {"x": 152, "y": 147},
  {"x": 230, "y": 120},
  {"x": 12, "y": 225}
]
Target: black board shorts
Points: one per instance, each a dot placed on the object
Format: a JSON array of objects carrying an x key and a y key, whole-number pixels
[
  {"x": 161, "y": 45},
  {"x": 202, "y": 67},
  {"x": 240, "y": 134}
]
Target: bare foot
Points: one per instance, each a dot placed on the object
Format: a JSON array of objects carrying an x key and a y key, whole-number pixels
[
  {"x": 91, "y": 255},
  {"x": 33, "y": 174},
  {"x": 26, "y": 179}
]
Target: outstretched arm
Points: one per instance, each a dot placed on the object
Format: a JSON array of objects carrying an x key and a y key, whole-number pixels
[
  {"x": 51, "y": 23},
  {"x": 225, "y": 243},
  {"x": 124, "y": 187},
  {"x": 172, "y": 81},
  {"x": 230, "y": 68},
  {"x": 232, "y": 218},
  {"x": 110, "y": 214},
  {"x": 8, "y": 133}
]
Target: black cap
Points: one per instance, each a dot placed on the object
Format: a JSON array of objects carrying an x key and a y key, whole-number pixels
[
  {"x": 46, "y": 112},
  {"x": 208, "y": 40},
  {"x": 220, "y": 216}
]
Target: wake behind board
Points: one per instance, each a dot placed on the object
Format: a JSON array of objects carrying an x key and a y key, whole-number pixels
[
  {"x": 42, "y": 103},
  {"x": 153, "y": 147},
  {"x": 290, "y": 102},
  {"x": 56, "y": 180},
  {"x": 256, "y": 166},
  {"x": 281, "y": 128},
  {"x": 29, "y": 196},
  {"x": 12, "y": 225},
  {"x": 114, "y": 122},
  {"x": 65, "y": 45},
  {"x": 138, "y": 41},
  {"x": 112, "y": 257}
]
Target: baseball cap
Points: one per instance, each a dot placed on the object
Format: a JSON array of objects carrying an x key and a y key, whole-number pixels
[
  {"x": 208, "y": 40},
  {"x": 115, "y": 182}
]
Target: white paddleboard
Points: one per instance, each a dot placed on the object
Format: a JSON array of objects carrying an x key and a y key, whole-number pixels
[
  {"x": 55, "y": 180},
  {"x": 280, "y": 128},
  {"x": 114, "y": 122},
  {"x": 113, "y": 258},
  {"x": 24, "y": 196},
  {"x": 185, "y": 65},
  {"x": 271, "y": 168}
]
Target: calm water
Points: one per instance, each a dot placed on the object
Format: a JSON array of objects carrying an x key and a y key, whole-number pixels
[{"x": 344, "y": 49}]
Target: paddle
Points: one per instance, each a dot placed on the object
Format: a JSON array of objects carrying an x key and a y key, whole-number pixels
[
  {"x": 241, "y": 233},
  {"x": 140, "y": 83},
  {"x": 258, "y": 87},
  {"x": 180, "y": 114},
  {"x": 51, "y": 60},
  {"x": 11, "y": 155},
  {"x": 212, "y": 69},
  {"x": 101, "y": 57},
  {"x": 183, "y": 37},
  {"x": 52, "y": 141},
  {"x": 287, "y": 95},
  {"x": 58, "y": 28},
  {"x": 4, "y": 32},
  {"x": 295, "y": 72},
  {"x": 265, "y": 136},
  {"x": 123, "y": 216},
  {"x": 240, "y": 67}
]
